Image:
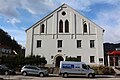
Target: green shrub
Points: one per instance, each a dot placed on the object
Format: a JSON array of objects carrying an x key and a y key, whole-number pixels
[
  {"x": 103, "y": 70},
  {"x": 72, "y": 59}
]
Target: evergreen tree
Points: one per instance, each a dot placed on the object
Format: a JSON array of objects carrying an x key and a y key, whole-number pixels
[{"x": 5, "y": 39}]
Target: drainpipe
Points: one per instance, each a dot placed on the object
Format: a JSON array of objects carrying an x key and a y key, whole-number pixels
[
  {"x": 108, "y": 60},
  {"x": 114, "y": 60}
]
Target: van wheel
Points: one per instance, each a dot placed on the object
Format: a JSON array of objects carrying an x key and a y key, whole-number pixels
[
  {"x": 65, "y": 75},
  {"x": 41, "y": 74},
  {"x": 24, "y": 73},
  {"x": 91, "y": 75}
]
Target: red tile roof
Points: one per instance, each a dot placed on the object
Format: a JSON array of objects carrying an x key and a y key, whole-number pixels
[{"x": 114, "y": 52}]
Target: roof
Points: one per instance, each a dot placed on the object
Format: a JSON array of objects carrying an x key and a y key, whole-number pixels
[
  {"x": 50, "y": 14},
  {"x": 4, "y": 46},
  {"x": 114, "y": 52},
  {"x": 45, "y": 17}
]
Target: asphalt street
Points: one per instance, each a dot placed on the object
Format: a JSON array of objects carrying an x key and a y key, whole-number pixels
[{"x": 56, "y": 77}]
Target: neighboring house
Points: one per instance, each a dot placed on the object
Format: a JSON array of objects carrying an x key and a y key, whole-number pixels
[
  {"x": 114, "y": 58},
  {"x": 109, "y": 50},
  {"x": 66, "y": 33},
  {"x": 5, "y": 49}
]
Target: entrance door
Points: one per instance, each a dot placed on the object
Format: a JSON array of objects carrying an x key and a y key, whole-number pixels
[{"x": 58, "y": 59}]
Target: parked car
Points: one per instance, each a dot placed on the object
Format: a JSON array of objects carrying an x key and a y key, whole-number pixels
[
  {"x": 6, "y": 71},
  {"x": 33, "y": 70}
]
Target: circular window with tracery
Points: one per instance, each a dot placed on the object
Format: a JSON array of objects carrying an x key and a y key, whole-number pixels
[{"x": 63, "y": 13}]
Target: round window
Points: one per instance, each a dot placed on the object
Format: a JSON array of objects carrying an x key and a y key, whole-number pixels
[{"x": 63, "y": 13}]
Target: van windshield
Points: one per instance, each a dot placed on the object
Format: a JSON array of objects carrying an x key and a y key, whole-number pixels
[{"x": 88, "y": 66}]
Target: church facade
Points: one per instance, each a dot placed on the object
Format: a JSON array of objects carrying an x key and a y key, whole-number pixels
[{"x": 66, "y": 33}]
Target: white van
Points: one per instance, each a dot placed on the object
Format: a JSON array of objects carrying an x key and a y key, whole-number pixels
[{"x": 69, "y": 67}]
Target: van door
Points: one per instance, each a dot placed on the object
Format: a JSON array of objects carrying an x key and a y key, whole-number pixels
[
  {"x": 77, "y": 69},
  {"x": 84, "y": 69}
]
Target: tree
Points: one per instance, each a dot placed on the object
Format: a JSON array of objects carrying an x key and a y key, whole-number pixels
[
  {"x": 35, "y": 60},
  {"x": 5, "y": 39},
  {"x": 19, "y": 61}
]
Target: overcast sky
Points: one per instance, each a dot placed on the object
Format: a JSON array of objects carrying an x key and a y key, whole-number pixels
[{"x": 18, "y": 15}]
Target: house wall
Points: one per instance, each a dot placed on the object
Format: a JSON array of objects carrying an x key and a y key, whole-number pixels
[
  {"x": 29, "y": 42},
  {"x": 51, "y": 35}
]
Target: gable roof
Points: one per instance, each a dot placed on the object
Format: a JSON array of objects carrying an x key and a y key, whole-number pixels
[
  {"x": 46, "y": 16},
  {"x": 50, "y": 14}
]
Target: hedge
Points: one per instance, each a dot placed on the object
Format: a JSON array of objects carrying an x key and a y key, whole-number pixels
[{"x": 103, "y": 70}]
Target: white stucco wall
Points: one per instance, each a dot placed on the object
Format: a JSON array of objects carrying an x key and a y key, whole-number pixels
[
  {"x": 51, "y": 35},
  {"x": 28, "y": 42}
]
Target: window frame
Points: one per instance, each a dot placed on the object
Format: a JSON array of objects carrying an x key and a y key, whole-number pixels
[
  {"x": 39, "y": 43},
  {"x": 66, "y": 26},
  {"x": 79, "y": 45},
  {"x": 42, "y": 28},
  {"x": 85, "y": 27},
  {"x": 92, "y": 43},
  {"x": 59, "y": 43},
  {"x": 79, "y": 57},
  {"x": 60, "y": 26},
  {"x": 92, "y": 59}
]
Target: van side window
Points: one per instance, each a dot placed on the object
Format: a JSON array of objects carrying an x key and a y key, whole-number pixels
[{"x": 84, "y": 66}]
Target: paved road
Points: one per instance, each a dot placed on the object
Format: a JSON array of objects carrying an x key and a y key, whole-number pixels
[{"x": 55, "y": 77}]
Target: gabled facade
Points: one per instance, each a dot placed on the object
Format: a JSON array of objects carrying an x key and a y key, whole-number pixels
[{"x": 64, "y": 33}]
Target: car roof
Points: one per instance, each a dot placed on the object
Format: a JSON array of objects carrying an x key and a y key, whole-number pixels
[{"x": 30, "y": 66}]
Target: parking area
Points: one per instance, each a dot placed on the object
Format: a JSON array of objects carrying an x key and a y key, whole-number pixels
[{"x": 56, "y": 77}]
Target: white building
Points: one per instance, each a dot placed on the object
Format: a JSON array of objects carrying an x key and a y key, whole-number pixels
[{"x": 64, "y": 33}]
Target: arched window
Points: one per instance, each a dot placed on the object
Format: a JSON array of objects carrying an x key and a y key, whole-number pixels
[
  {"x": 66, "y": 26},
  {"x": 61, "y": 26},
  {"x": 42, "y": 28},
  {"x": 85, "y": 27}
]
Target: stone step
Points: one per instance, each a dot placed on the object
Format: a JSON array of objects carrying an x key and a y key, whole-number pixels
[{"x": 117, "y": 71}]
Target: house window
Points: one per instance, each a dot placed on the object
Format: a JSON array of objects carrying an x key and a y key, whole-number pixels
[
  {"x": 78, "y": 43},
  {"x": 66, "y": 26},
  {"x": 59, "y": 50},
  {"x": 85, "y": 28},
  {"x": 63, "y": 13},
  {"x": 92, "y": 43},
  {"x": 92, "y": 60},
  {"x": 51, "y": 57},
  {"x": 59, "y": 43},
  {"x": 38, "y": 43},
  {"x": 61, "y": 26},
  {"x": 79, "y": 58},
  {"x": 101, "y": 60},
  {"x": 42, "y": 28}
]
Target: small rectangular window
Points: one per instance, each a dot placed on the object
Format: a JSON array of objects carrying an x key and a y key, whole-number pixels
[
  {"x": 79, "y": 58},
  {"x": 42, "y": 28},
  {"x": 59, "y": 50},
  {"x": 38, "y": 43},
  {"x": 78, "y": 43},
  {"x": 51, "y": 57},
  {"x": 92, "y": 43},
  {"x": 92, "y": 60},
  {"x": 101, "y": 60},
  {"x": 59, "y": 43}
]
